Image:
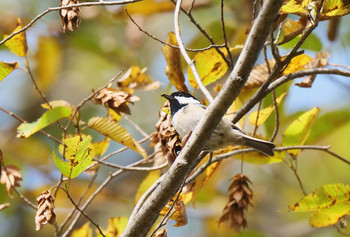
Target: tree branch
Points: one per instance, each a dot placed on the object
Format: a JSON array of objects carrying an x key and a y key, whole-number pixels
[{"x": 143, "y": 220}]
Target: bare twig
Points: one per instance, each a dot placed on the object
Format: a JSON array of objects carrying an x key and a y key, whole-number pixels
[
  {"x": 294, "y": 167},
  {"x": 131, "y": 168},
  {"x": 190, "y": 62},
  {"x": 82, "y": 212},
  {"x": 23, "y": 121},
  {"x": 224, "y": 34},
  {"x": 85, "y": 4},
  {"x": 171, "y": 45},
  {"x": 277, "y": 117},
  {"x": 137, "y": 127}
]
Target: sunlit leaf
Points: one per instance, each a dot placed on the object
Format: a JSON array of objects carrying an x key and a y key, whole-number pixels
[
  {"x": 173, "y": 59},
  {"x": 136, "y": 78},
  {"x": 179, "y": 211},
  {"x": 259, "y": 158},
  {"x": 146, "y": 183},
  {"x": 48, "y": 62},
  {"x": 299, "y": 130},
  {"x": 295, "y": 6},
  {"x": 292, "y": 29},
  {"x": 18, "y": 43},
  {"x": 329, "y": 204},
  {"x": 210, "y": 65},
  {"x": 264, "y": 113},
  {"x": 149, "y": 7},
  {"x": 297, "y": 63},
  {"x": 79, "y": 155},
  {"x": 334, "y": 8},
  {"x": 6, "y": 68},
  {"x": 84, "y": 231},
  {"x": 116, "y": 226},
  {"x": 115, "y": 131},
  {"x": 27, "y": 129},
  {"x": 101, "y": 147},
  {"x": 328, "y": 123}
]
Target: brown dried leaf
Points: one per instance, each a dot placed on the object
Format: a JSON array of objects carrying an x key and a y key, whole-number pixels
[
  {"x": 45, "y": 210},
  {"x": 179, "y": 212},
  {"x": 4, "y": 205},
  {"x": 166, "y": 141},
  {"x": 240, "y": 196},
  {"x": 115, "y": 99},
  {"x": 136, "y": 78},
  {"x": 173, "y": 69},
  {"x": 69, "y": 16},
  {"x": 320, "y": 60},
  {"x": 10, "y": 177}
]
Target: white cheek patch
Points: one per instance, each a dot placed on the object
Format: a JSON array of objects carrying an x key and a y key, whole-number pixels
[{"x": 186, "y": 100}]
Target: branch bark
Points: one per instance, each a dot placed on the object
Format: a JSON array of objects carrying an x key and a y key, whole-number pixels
[{"x": 141, "y": 222}]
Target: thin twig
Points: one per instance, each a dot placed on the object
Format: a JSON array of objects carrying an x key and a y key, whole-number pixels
[
  {"x": 224, "y": 34},
  {"x": 165, "y": 43},
  {"x": 294, "y": 169},
  {"x": 277, "y": 117},
  {"x": 185, "y": 55},
  {"x": 92, "y": 196},
  {"x": 24, "y": 121},
  {"x": 137, "y": 127},
  {"x": 85, "y": 4},
  {"x": 82, "y": 212},
  {"x": 26, "y": 200},
  {"x": 203, "y": 32},
  {"x": 257, "y": 119},
  {"x": 131, "y": 168}
]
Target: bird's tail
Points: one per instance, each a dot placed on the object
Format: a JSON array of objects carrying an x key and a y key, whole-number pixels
[{"x": 260, "y": 145}]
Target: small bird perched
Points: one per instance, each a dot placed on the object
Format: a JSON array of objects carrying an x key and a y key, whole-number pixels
[{"x": 186, "y": 112}]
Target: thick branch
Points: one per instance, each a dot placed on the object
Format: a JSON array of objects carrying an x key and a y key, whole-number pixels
[{"x": 142, "y": 221}]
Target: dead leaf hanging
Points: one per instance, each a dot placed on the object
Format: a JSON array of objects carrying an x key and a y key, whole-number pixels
[
  {"x": 240, "y": 196},
  {"x": 69, "y": 16},
  {"x": 115, "y": 99},
  {"x": 45, "y": 210},
  {"x": 10, "y": 177}
]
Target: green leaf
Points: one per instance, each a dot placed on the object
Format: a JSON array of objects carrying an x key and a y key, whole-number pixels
[
  {"x": 311, "y": 43},
  {"x": 329, "y": 203},
  {"x": 264, "y": 113},
  {"x": 210, "y": 65},
  {"x": 117, "y": 132},
  {"x": 297, "y": 133},
  {"x": 328, "y": 123},
  {"x": 27, "y": 129},
  {"x": 6, "y": 68},
  {"x": 79, "y": 155}
]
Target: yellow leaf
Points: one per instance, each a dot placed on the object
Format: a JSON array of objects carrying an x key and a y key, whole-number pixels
[
  {"x": 101, "y": 147},
  {"x": 116, "y": 225},
  {"x": 115, "y": 131},
  {"x": 146, "y": 183},
  {"x": 18, "y": 43},
  {"x": 210, "y": 65},
  {"x": 6, "y": 68},
  {"x": 149, "y": 7},
  {"x": 173, "y": 58},
  {"x": 84, "y": 231},
  {"x": 334, "y": 8},
  {"x": 295, "y": 6},
  {"x": 299, "y": 130},
  {"x": 114, "y": 115},
  {"x": 329, "y": 203},
  {"x": 264, "y": 113},
  {"x": 48, "y": 62},
  {"x": 293, "y": 29},
  {"x": 298, "y": 63},
  {"x": 135, "y": 78},
  {"x": 179, "y": 211}
]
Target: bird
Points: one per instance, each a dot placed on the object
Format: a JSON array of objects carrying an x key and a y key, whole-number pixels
[{"x": 186, "y": 112}]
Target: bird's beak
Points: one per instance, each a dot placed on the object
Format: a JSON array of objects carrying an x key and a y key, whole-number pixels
[{"x": 168, "y": 97}]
